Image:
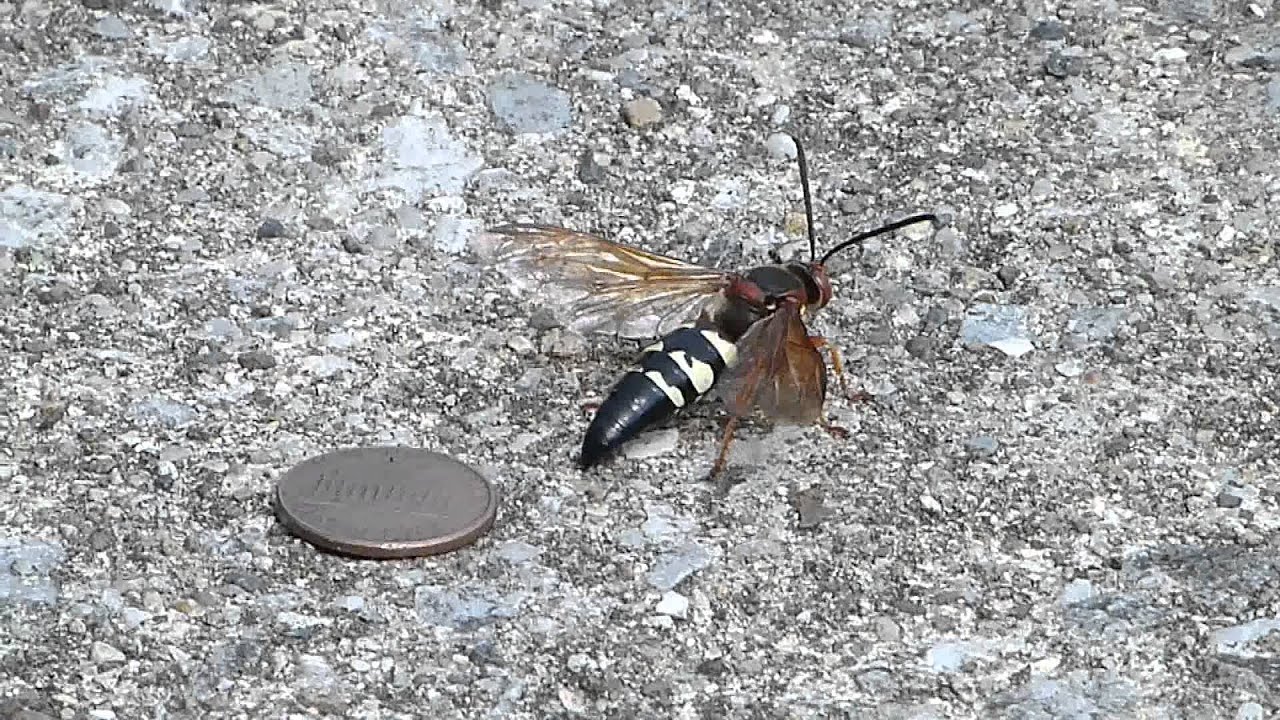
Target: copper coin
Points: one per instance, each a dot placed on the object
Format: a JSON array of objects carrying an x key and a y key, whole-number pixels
[{"x": 385, "y": 502}]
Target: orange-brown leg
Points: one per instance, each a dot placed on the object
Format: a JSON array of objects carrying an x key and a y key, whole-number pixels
[
  {"x": 727, "y": 440},
  {"x": 837, "y": 364},
  {"x": 835, "y": 431},
  {"x": 741, "y": 403}
]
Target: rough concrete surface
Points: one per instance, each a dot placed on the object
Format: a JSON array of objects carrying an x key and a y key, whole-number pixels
[{"x": 234, "y": 235}]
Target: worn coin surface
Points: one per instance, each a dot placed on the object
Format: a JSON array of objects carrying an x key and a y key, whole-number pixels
[{"x": 385, "y": 502}]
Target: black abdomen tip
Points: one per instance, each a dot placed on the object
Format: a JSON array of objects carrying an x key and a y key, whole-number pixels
[
  {"x": 635, "y": 403},
  {"x": 673, "y": 373},
  {"x": 591, "y": 455},
  {"x": 594, "y": 444}
]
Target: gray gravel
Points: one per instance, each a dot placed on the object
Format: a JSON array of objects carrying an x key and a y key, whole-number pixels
[{"x": 234, "y": 235}]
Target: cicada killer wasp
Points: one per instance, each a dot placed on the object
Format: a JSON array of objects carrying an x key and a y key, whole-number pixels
[{"x": 743, "y": 332}]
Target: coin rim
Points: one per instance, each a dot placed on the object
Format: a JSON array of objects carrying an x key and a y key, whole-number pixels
[{"x": 387, "y": 549}]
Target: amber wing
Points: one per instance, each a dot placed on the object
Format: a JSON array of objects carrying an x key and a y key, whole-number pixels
[
  {"x": 779, "y": 370},
  {"x": 608, "y": 286}
]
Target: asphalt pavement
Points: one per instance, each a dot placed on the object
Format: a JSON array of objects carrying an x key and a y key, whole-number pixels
[{"x": 234, "y": 235}]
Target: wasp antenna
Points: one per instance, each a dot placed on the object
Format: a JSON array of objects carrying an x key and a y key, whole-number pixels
[
  {"x": 860, "y": 237},
  {"x": 808, "y": 200}
]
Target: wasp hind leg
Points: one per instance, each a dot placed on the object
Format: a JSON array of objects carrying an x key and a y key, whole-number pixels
[
  {"x": 725, "y": 441},
  {"x": 721, "y": 477}
]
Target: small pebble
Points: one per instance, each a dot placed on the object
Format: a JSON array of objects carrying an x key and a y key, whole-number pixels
[
  {"x": 246, "y": 581},
  {"x": 948, "y": 656},
  {"x": 271, "y": 228},
  {"x": 983, "y": 445},
  {"x": 100, "y": 540},
  {"x": 256, "y": 360},
  {"x": 781, "y": 146},
  {"x": 563, "y": 344},
  {"x": 795, "y": 224},
  {"x": 518, "y": 551},
  {"x": 1169, "y": 56},
  {"x": 1002, "y": 327},
  {"x": 934, "y": 318},
  {"x": 60, "y": 292},
  {"x": 589, "y": 170},
  {"x": 192, "y": 196},
  {"x": 930, "y": 504},
  {"x": 1077, "y": 592},
  {"x": 191, "y": 130},
  {"x": 950, "y": 241},
  {"x": 1069, "y": 368},
  {"x": 543, "y": 319},
  {"x": 1061, "y": 65},
  {"x": 888, "y": 630},
  {"x": 652, "y": 444},
  {"x": 454, "y": 234},
  {"x": 810, "y": 508},
  {"x": 642, "y": 112},
  {"x": 1250, "y": 711},
  {"x": 672, "y": 568},
  {"x": 715, "y": 667},
  {"x": 682, "y": 191},
  {"x": 524, "y": 104},
  {"x": 108, "y": 286},
  {"x": 112, "y": 27},
  {"x": 921, "y": 347},
  {"x": 133, "y": 617},
  {"x": 572, "y": 701},
  {"x": 354, "y": 245},
  {"x": 351, "y": 603},
  {"x": 673, "y": 604},
  {"x": 629, "y": 78},
  {"x": 104, "y": 654},
  {"x": 521, "y": 345},
  {"x": 1228, "y": 499},
  {"x": 1049, "y": 30}
]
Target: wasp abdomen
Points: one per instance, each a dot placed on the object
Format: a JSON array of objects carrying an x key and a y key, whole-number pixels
[{"x": 673, "y": 373}]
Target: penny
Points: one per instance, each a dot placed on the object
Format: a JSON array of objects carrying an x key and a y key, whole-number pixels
[{"x": 385, "y": 502}]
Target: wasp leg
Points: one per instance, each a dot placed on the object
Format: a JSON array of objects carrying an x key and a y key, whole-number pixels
[
  {"x": 837, "y": 363},
  {"x": 725, "y": 442},
  {"x": 835, "y": 431},
  {"x": 862, "y": 396},
  {"x": 740, "y": 406}
]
